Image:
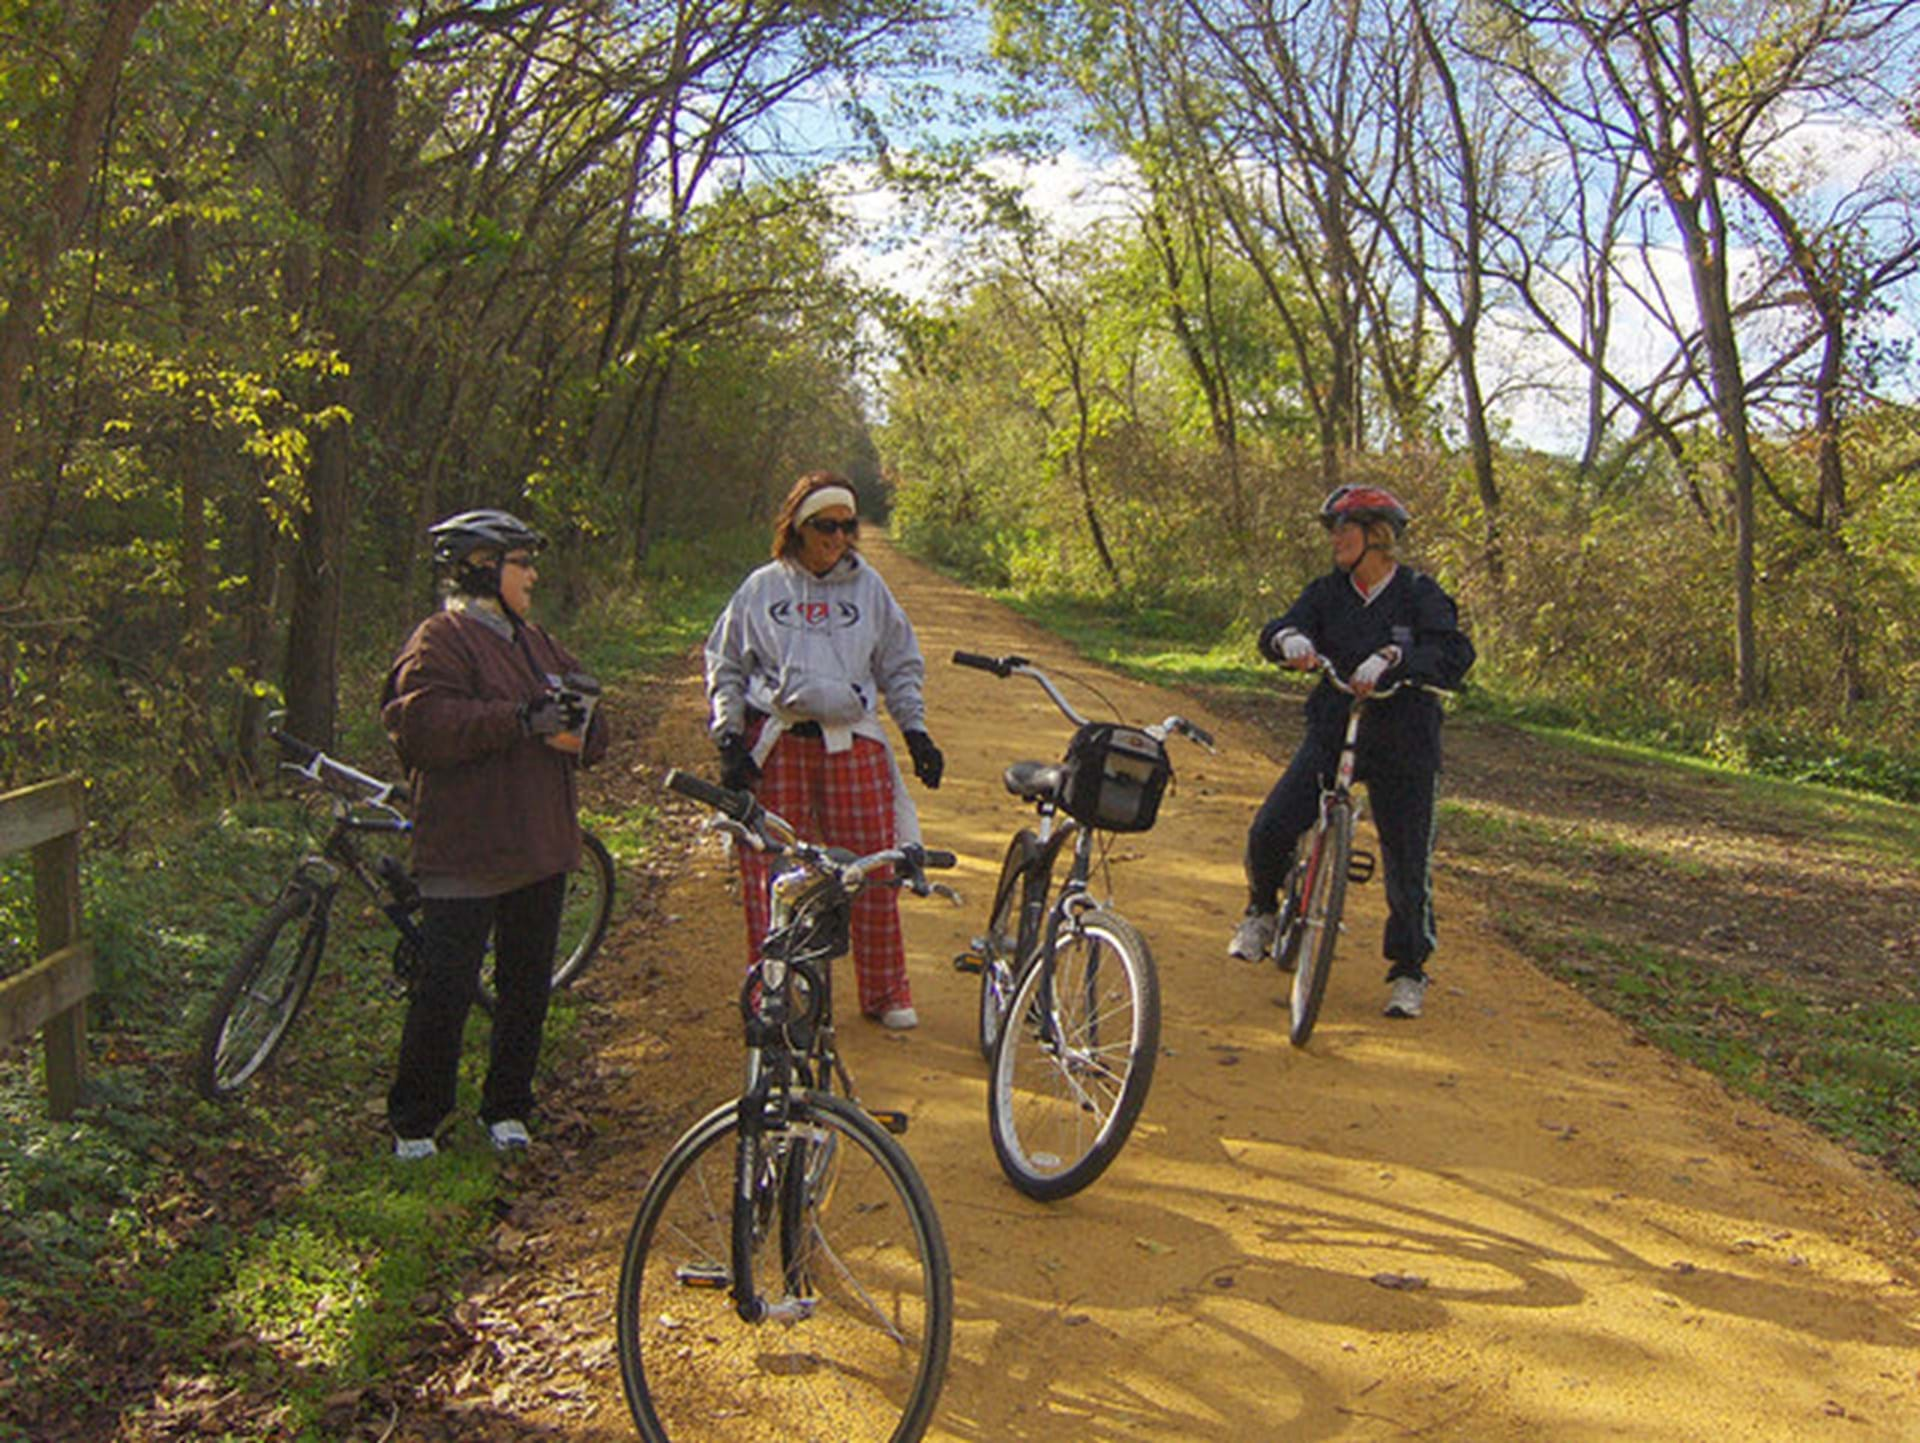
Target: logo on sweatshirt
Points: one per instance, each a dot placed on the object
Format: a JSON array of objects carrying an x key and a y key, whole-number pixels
[{"x": 814, "y": 615}]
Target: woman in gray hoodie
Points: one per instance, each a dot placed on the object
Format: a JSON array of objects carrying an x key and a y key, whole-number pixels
[{"x": 797, "y": 665}]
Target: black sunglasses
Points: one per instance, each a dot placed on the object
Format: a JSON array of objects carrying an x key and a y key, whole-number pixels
[{"x": 826, "y": 525}]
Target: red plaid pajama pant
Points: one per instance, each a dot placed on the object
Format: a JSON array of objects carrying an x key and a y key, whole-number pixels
[{"x": 839, "y": 799}]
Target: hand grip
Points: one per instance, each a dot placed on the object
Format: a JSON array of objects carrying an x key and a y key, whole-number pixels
[
  {"x": 734, "y": 804},
  {"x": 293, "y": 746},
  {"x": 998, "y": 665},
  {"x": 937, "y": 859}
]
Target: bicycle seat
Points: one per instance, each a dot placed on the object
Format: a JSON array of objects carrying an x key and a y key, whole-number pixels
[{"x": 1032, "y": 781}]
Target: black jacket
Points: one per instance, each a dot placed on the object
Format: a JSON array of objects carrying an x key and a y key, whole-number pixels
[{"x": 1401, "y": 733}]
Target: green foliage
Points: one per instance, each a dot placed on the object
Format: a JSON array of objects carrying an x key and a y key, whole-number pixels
[
  {"x": 270, "y": 1243},
  {"x": 1848, "y": 1067}
]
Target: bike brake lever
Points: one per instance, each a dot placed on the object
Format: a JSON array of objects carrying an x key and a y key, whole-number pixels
[
  {"x": 728, "y": 827},
  {"x": 941, "y": 889}
]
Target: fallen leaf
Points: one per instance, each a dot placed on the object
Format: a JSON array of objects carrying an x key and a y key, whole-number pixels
[{"x": 1401, "y": 1282}]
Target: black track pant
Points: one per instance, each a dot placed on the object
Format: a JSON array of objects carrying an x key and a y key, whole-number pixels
[
  {"x": 1402, "y": 810},
  {"x": 525, "y": 924}
]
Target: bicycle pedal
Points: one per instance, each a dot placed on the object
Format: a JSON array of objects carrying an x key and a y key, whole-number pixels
[
  {"x": 1360, "y": 866},
  {"x": 894, "y": 1122},
  {"x": 706, "y": 1276},
  {"x": 969, "y": 962}
]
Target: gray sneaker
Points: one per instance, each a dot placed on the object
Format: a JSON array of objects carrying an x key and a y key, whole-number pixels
[
  {"x": 1405, "y": 998},
  {"x": 414, "y": 1149},
  {"x": 508, "y": 1135},
  {"x": 1253, "y": 938}
]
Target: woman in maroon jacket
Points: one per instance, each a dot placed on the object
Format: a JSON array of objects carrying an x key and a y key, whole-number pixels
[{"x": 479, "y": 708}]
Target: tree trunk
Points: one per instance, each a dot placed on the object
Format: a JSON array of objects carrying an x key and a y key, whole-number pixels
[
  {"x": 47, "y": 238},
  {"x": 313, "y": 632}
]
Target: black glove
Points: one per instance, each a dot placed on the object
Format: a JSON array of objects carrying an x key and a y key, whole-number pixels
[
  {"x": 738, "y": 771},
  {"x": 543, "y": 716},
  {"x": 928, "y": 764}
]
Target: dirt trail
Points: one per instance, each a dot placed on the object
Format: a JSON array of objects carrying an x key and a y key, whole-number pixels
[{"x": 1605, "y": 1243}]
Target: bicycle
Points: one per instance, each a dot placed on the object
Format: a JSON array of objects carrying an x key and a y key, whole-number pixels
[
  {"x": 265, "y": 988},
  {"x": 786, "y": 1275},
  {"x": 1317, "y": 882},
  {"x": 1068, "y": 1082}
]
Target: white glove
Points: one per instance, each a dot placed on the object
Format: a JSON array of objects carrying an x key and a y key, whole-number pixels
[
  {"x": 1295, "y": 648},
  {"x": 1366, "y": 676}
]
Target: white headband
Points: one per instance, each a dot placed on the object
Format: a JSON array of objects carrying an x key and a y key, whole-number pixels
[{"x": 823, "y": 498}]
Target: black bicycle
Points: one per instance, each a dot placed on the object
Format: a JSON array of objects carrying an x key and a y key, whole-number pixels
[
  {"x": 1069, "y": 998},
  {"x": 264, "y": 990},
  {"x": 786, "y": 1275},
  {"x": 1308, "y": 927}
]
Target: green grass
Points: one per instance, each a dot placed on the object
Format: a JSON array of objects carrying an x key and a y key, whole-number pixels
[
  {"x": 1850, "y": 1068},
  {"x": 270, "y": 1245}
]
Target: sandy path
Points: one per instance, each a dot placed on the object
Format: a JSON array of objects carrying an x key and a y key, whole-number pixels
[{"x": 1610, "y": 1246}]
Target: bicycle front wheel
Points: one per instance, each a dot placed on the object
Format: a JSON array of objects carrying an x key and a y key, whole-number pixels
[
  {"x": 583, "y": 919},
  {"x": 1074, "y": 1064},
  {"x": 842, "y": 1238},
  {"x": 1323, "y": 897},
  {"x": 262, "y": 993}
]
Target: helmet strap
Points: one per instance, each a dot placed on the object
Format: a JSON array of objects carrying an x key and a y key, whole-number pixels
[{"x": 473, "y": 578}]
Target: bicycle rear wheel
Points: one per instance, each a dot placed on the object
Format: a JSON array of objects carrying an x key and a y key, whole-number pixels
[
  {"x": 840, "y": 1224},
  {"x": 262, "y": 993},
  {"x": 1076, "y": 1059},
  {"x": 583, "y": 919},
  {"x": 1323, "y": 897}
]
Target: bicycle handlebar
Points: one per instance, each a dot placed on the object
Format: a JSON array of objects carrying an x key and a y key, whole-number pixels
[
  {"x": 738, "y": 805},
  {"x": 1005, "y": 666},
  {"x": 325, "y": 771},
  {"x": 1002, "y": 666},
  {"x": 1379, "y": 692},
  {"x": 769, "y": 831}
]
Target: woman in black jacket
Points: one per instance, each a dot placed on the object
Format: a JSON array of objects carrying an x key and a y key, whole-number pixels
[{"x": 1378, "y": 623}]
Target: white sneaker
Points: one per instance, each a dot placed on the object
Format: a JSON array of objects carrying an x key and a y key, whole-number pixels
[
  {"x": 509, "y": 1134},
  {"x": 1405, "y": 998},
  {"x": 414, "y": 1149},
  {"x": 1253, "y": 938},
  {"x": 900, "y": 1019}
]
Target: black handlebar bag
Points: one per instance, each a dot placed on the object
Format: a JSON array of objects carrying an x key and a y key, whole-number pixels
[{"x": 1116, "y": 776}]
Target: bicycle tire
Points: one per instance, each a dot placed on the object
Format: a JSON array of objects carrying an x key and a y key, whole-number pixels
[
  {"x": 1291, "y": 925},
  {"x": 262, "y": 993},
  {"x": 1004, "y": 943},
  {"x": 584, "y": 917},
  {"x": 1323, "y": 899},
  {"x": 1062, "y": 1100},
  {"x": 868, "y": 1361}
]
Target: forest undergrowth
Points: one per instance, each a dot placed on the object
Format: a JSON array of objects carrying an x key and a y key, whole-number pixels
[{"x": 259, "y": 1268}]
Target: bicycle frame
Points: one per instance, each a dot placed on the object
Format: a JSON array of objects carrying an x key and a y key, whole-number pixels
[
  {"x": 1074, "y": 894},
  {"x": 385, "y": 880},
  {"x": 821, "y": 880}
]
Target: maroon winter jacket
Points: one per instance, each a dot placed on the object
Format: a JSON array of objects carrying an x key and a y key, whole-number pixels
[{"x": 487, "y": 800}]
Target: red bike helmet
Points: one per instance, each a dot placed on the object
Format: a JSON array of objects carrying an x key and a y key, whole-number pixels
[{"x": 1364, "y": 504}]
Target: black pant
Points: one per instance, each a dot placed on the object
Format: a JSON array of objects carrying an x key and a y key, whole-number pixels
[
  {"x": 1402, "y": 805},
  {"x": 525, "y": 925}
]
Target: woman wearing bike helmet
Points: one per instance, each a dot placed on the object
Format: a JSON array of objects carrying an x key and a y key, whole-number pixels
[
  {"x": 486, "y": 711},
  {"x": 1378, "y": 623},
  {"x": 797, "y": 666}
]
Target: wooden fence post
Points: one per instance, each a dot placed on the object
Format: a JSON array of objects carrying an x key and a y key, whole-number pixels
[{"x": 52, "y": 994}]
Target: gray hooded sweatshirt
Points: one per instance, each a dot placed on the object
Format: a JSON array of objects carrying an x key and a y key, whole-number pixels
[{"x": 824, "y": 649}]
